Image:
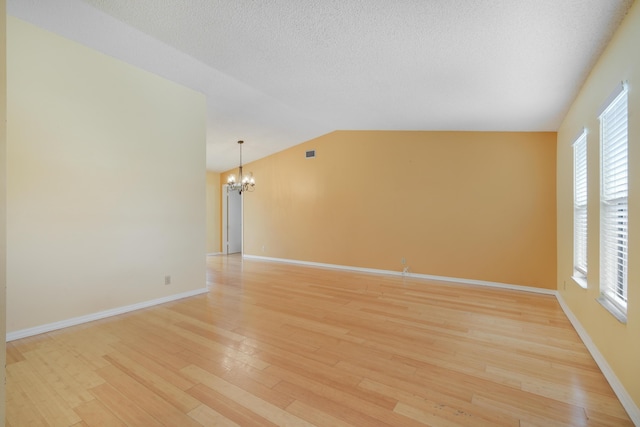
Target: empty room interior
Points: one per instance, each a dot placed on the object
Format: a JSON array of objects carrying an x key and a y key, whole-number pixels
[{"x": 320, "y": 213}]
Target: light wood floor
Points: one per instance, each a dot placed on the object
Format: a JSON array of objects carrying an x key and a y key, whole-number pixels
[{"x": 282, "y": 345}]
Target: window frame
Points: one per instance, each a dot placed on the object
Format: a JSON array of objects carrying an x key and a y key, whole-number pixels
[
  {"x": 580, "y": 209},
  {"x": 614, "y": 203}
]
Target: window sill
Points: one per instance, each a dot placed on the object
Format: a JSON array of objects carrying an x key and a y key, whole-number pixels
[
  {"x": 580, "y": 281},
  {"x": 620, "y": 315}
]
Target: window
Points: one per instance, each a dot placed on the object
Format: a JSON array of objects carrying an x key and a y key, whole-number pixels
[
  {"x": 580, "y": 209},
  {"x": 614, "y": 204}
]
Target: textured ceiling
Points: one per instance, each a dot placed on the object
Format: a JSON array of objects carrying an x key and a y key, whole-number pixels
[{"x": 279, "y": 72}]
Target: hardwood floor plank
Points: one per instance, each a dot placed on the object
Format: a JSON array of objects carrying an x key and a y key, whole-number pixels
[
  {"x": 228, "y": 407},
  {"x": 208, "y": 417},
  {"x": 374, "y": 405},
  {"x": 210, "y": 362},
  {"x": 326, "y": 404},
  {"x": 145, "y": 398},
  {"x": 13, "y": 354},
  {"x": 314, "y": 415},
  {"x": 138, "y": 342},
  {"x": 95, "y": 414},
  {"x": 243, "y": 377},
  {"x": 308, "y": 367},
  {"x": 598, "y": 419},
  {"x": 531, "y": 408},
  {"x": 235, "y": 352},
  {"x": 64, "y": 372},
  {"x": 155, "y": 383},
  {"x": 441, "y": 405},
  {"x": 41, "y": 395},
  {"x": 246, "y": 399},
  {"x": 127, "y": 411},
  {"x": 428, "y": 417},
  {"x": 88, "y": 341},
  {"x": 598, "y": 398},
  {"x": 154, "y": 364},
  {"x": 20, "y": 409},
  {"x": 184, "y": 313},
  {"x": 214, "y": 336}
]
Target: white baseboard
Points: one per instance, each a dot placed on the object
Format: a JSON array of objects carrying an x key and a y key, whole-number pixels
[
  {"x": 624, "y": 397},
  {"x": 214, "y": 253},
  {"x": 23, "y": 333},
  {"x": 413, "y": 275}
]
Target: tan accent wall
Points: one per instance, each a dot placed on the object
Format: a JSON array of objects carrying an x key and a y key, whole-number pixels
[
  {"x": 213, "y": 212},
  {"x": 619, "y": 343},
  {"x": 471, "y": 205},
  {"x": 106, "y": 182}
]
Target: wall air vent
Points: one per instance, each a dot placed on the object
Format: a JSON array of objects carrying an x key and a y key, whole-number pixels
[{"x": 310, "y": 154}]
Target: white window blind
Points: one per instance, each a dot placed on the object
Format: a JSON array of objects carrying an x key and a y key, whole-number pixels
[
  {"x": 614, "y": 202},
  {"x": 580, "y": 206}
]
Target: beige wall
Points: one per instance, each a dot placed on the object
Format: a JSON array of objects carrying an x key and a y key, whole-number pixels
[
  {"x": 106, "y": 177},
  {"x": 213, "y": 212},
  {"x": 618, "y": 343},
  {"x": 471, "y": 205},
  {"x": 3, "y": 237}
]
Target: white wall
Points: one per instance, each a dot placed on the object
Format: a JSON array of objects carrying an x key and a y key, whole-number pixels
[{"x": 106, "y": 182}]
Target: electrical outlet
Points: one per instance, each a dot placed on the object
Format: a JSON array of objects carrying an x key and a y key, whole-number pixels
[
  {"x": 264, "y": 247},
  {"x": 404, "y": 261},
  {"x": 167, "y": 280}
]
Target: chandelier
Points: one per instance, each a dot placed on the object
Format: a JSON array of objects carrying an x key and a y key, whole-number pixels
[{"x": 246, "y": 183}]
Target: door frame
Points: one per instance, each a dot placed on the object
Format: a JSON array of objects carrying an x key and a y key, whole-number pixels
[{"x": 225, "y": 221}]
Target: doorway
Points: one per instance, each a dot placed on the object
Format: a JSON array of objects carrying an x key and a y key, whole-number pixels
[{"x": 231, "y": 221}]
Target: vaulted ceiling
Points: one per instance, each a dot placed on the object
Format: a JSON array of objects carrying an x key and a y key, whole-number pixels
[{"x": 279, "y": 72}]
